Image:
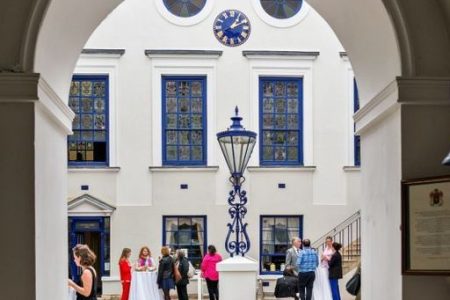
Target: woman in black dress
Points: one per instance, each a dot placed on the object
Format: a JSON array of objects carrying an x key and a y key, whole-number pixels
[
  {"x": 87, "y": 287},
  {"x": 335, "y": 271},
  {"x": 165, "y": 273},
  {"x": 183, "y": 266}
]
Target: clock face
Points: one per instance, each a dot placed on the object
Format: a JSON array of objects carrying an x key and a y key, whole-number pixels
[{"x": 232, "y": 27}]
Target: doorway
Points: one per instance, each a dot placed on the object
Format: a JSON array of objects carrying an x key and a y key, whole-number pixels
[{"x": 94, "y": 232}]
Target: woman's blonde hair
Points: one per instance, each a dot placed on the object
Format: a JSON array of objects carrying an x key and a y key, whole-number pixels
[{"x": 87, "y": 257}]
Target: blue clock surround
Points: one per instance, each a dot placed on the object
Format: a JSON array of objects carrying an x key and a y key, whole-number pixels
[{"x": 232, "y": 28}]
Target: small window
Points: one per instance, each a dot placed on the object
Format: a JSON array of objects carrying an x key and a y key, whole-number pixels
[
  {"x": 184, "y": 120},
  {"x": 276, "y": 234},
  {"x": 281, "y": 9},
  {"x": 281, "y": 122},
  {"x": 184, "y": 8},
  {"x": 357, "y": 138},
  {"x": 88, "y": 99},
  {"x": 186, "y": 232}
]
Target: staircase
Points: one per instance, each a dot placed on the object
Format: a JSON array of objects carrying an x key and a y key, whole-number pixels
[{"x": 348, "y": 234}]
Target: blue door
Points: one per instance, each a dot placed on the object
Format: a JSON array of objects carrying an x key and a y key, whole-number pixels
[{"x": 93, "y": 231}]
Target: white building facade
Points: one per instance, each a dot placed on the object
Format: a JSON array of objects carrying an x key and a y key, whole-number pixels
[{"x": 151, "y": 90}]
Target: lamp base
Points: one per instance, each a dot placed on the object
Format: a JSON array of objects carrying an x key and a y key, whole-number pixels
[{"x": 237, "y": 278}]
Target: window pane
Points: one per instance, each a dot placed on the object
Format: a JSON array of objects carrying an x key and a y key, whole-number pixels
[
  {"x": 86, "y": 88},
  {"x": 197, "y": 89},
  {"x": 184, "y": 152},
  {"x": 197, "y": 105},
  {"x": 75, "y": 88},
  {"x": 171, "y": 153},
  {"x": 171, "y": 105},
  {"x": 198, "y": 224}
]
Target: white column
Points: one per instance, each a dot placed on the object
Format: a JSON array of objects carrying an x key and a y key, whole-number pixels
[
  {"x": 33, "y": 207},
  {"x": 237, "y": 278},
  {"x": 17, "y": 181},
  {"x": 379, "y": 124}
]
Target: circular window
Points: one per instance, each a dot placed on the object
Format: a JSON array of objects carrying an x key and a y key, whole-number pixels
[
  {"x": 281, "y": 13},
  {"x": 184, "y": 8},
  {"x": 282, "y": 9}
]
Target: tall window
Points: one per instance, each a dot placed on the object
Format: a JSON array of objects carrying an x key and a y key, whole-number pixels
[
  {"x": 281, "y": 123},
  {"x": 186, "y": 232},
  {"x": 89, "y": 100},
  {"x": 276, "y": 233},
  {"x": 357, "y": 138},
  {"x": 184, "y": 120}
]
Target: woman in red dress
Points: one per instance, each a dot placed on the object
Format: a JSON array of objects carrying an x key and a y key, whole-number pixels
[{"x": 125, "y": 272}]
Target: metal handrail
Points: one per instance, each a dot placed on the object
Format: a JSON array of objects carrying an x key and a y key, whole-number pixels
[{"x": 347, "y": 233}]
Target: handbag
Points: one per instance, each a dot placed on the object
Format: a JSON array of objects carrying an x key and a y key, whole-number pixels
[
  {"x": 191, "y": 271},
  {"x": 354, "y": 284},
  {"x": 176, "y": 273}
]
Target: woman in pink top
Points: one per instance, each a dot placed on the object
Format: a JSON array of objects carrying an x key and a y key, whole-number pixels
[{"x": 210, "y": 273}]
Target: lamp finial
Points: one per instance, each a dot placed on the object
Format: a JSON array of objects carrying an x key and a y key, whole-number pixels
[{"x": 236, "y": 110}]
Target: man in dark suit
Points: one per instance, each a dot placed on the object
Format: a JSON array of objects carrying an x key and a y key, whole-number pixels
[
  {"x": 287, "y": 286},
  {"x": 292, "y": 254}
]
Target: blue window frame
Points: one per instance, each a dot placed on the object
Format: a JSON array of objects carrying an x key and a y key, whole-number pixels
[
  {"x": 281, "y": 121},
  {"x": 276, "y": 233},
  {"x": 356, "y": 138},
  {"x": 184, "y": 8},
  {"x": 184, "y": 120},
  {"x": 186, "y": 232},
  {"x": 95, "y": 232},
  {"x": 88, "y": 98}
]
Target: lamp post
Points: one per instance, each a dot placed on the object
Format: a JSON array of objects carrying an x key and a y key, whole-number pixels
[{"x": 237, "y": 145}]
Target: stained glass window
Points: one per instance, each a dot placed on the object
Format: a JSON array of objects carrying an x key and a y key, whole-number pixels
[
  {"x": 184, "y": 8},
  {"x": 188, "y": 233},
  {"x": 357, "y": 138},
  {"x": 281, "y": 9},
  {"x": 281, "y": 124},
  {"x": 88, "y": 98},
  {"x": 184, "y": 120},
  {"x": 276, "y": 235}
]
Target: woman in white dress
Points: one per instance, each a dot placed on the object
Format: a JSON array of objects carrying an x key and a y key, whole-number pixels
[{"x": 321, "y": 289}]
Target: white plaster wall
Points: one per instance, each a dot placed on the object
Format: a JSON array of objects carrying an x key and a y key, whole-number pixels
[{"x": 51, "y": 233}]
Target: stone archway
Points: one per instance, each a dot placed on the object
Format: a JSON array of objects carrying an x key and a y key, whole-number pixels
[{"x": 390, "y": 107}]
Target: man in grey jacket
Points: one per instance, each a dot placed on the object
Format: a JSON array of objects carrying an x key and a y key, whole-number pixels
[{"x": 292, "y": 253}]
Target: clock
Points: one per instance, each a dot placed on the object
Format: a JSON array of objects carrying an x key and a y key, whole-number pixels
[{"x": 232, "y": 28}]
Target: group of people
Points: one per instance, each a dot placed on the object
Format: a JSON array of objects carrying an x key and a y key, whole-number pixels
[
  {"x": 309, "y": 275},
  {"x": 173, "y": 271}
]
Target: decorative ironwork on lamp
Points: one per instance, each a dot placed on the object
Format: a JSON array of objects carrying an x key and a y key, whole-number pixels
[{"x": 237, "y": 145}]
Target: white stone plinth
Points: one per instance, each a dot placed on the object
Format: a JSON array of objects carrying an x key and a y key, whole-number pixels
[{"x": 237, "y": 278}]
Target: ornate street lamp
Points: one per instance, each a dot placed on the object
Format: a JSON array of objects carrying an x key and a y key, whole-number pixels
[{"x": 237, "y": 145}]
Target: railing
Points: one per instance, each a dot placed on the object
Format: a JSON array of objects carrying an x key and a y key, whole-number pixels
[{"x": 348, "y": 234}]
